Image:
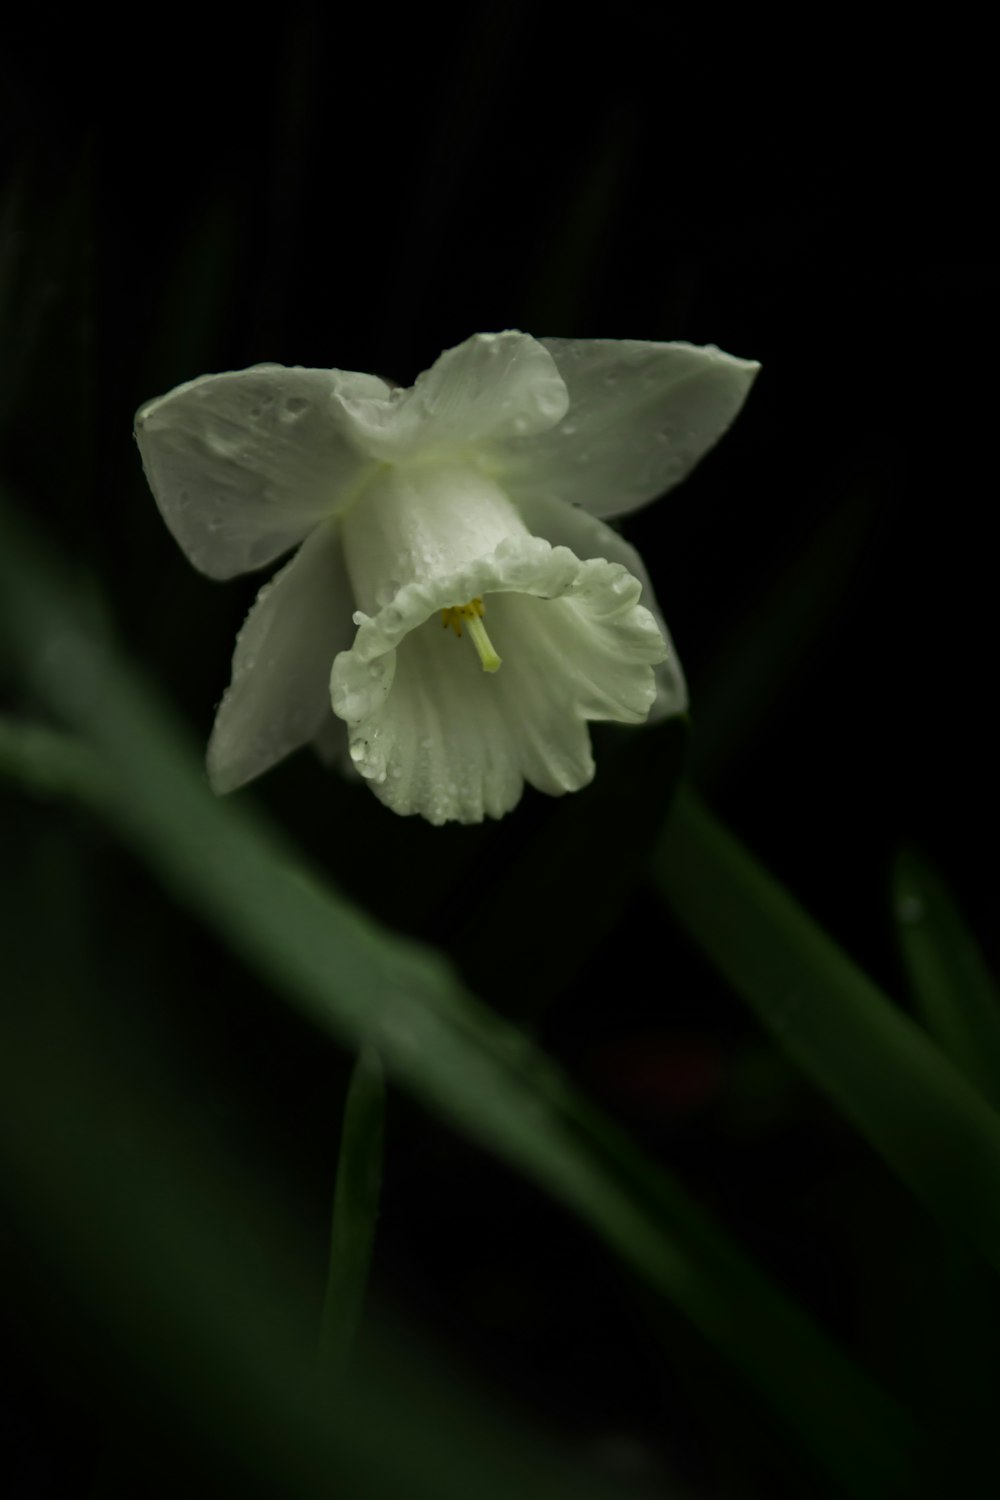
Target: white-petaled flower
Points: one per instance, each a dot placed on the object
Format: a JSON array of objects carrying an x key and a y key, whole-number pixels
[{"x": 471, "y": 502}]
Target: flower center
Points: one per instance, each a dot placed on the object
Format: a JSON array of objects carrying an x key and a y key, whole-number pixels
[{"x": 472, "y": 613}]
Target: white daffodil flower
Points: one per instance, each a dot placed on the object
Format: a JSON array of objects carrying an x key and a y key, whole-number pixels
[{"x": 457, "y": 611}]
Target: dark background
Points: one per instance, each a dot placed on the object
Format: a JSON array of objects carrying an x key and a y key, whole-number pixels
[{"x": 321, "y": 187}]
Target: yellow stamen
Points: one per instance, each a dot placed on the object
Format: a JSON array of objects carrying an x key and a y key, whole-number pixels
[{"x": 472, "y": 613}]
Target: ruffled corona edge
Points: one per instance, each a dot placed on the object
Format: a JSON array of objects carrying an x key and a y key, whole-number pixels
[{"x": 436, "y": 735}]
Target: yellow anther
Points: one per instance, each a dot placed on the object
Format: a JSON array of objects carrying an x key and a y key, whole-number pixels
[{"x": 472, "y": 613}]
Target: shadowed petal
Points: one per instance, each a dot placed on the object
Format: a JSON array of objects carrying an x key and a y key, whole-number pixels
[
  {"x": 278, "y": 698},
  {"x": 569, "y": 526}
]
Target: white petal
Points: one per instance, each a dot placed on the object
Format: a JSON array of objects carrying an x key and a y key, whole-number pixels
[
  {"x": 243, "y": 465},
  {"x": 493, "y": 387},
  {"x": 640, "y": 417},
  {"x": 436, "y": 735},
  {"x": 569, "y": 526},
  {"x": 278, "y": 698}
]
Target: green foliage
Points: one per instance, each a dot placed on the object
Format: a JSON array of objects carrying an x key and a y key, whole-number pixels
[
  {"x": 355, "y": 1212},
  {"x": 955, "y": 993},
  {"x": 905, "y": 1097},
  {"x": 367, "y": 986}
]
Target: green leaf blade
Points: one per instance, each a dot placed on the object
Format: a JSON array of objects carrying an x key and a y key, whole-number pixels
[
  {"x": 355, "y": 1212},
  {"x": 879, "y": 1069},
  {"x": 955, "y": 993}
]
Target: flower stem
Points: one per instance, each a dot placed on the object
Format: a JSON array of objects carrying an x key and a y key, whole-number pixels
[{"x": 355, "y": 1210}]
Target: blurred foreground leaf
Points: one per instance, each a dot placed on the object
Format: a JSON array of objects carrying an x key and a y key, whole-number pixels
[
  {"x": 880, "y": 1070},
  {"x": 951, "y": 984},
  {"x": 197, "y": 1296},
  {"x": 365, "y": 985}
]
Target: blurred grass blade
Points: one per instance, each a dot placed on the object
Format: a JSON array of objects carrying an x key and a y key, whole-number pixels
[
  {"x": 904, "y": 1096},
  {"x": 195, "y": 1289},
  {"x": 366, "y": 985},
  {"x": 46, "y": 319},
  {"x": 193, "y": 303},
  {"x": 515, "y": 1103},
  {"x": 50, "y": 764},
  {"x": 355, "y": 1210},
  {"x": 583, "y": 219},
  {"x": 742, "y": 686},
  {"x": 953, "y": 988}
]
